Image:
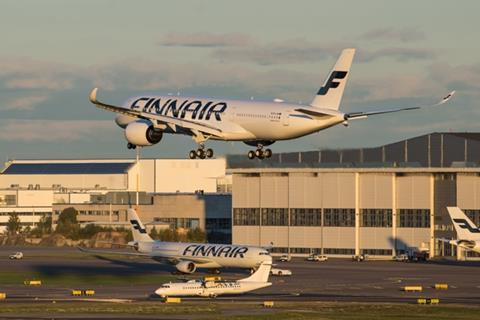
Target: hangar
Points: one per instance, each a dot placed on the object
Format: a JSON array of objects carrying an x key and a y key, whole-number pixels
[{"x": 379, "y": 201}]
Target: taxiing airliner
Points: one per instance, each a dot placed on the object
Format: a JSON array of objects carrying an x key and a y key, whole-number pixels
[
  {"x": 187, "y": 257},
  {"x": 146, "y": 118},
  {"x": 212, "y": 289}
]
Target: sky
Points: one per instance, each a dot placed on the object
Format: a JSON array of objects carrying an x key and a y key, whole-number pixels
[{"x": 52, "y": 53}]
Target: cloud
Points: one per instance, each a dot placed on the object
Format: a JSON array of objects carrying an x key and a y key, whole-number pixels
[
  {"x": 464, "y": 78},
  {"x": 15, "y": 130},
  {"x": 391, "y": 34},
  {"x": 27, "y": 102},
  {"x": 204, "y": 39},
  {"x": 300, "y": 51},
  {"x": 26, "y": 73},
  {"x": 396, "y": 53}
]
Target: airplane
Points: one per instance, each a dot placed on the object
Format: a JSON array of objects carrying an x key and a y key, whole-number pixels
[
  {"x": 188, "y": 257},
  {"x": 146, "y": 118},
  {"x": 468, "y": 235},
  {"x": 212, "y": 289}
]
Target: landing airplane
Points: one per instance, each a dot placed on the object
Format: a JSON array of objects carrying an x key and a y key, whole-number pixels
[
  {"x": 468, "y": 235},
  {"x": 187, "y": 257},
  {"x": 146, "y": 118},
  {"x": 212, "y": 289}
]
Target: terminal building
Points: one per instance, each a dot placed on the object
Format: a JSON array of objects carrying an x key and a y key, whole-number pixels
[
  {"x": 378, "y": 201},
  {"x": 182, "y": 193}
]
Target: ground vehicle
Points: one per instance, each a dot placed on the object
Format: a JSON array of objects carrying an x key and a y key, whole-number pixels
[
  {"x": 16, "y": 256},
  {"x": 360, "y": 258},
  {"x": 285, "y": 258},
  {"x": 401, "y": 258},
  {"x": 280, "y": 272},
  {"x": 316, "y": 257}
]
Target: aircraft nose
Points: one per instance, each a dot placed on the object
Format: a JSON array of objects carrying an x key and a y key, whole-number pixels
[{"x": 159, "y": 291}]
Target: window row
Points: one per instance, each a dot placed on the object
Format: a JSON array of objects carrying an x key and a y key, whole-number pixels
[
  {"x": 333, "y": 217},
  {"x": 175, "y": 223}
]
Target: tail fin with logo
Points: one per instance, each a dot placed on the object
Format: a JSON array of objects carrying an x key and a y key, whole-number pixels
[
  {"x": 138, "y": 230},
  {"x": 466, "y": 229},
  {"x": 330, "y": 94},
  {"x": 261, "y": 274}
]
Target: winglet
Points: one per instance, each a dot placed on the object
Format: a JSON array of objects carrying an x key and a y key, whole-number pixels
[
  {"x": 447, "y": 97},
  {"x": 93, "y": 95}
]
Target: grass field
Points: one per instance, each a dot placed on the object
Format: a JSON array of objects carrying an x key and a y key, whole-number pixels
[{"x": 251, "y": 310}]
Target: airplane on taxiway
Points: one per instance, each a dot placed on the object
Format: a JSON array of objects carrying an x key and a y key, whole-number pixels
[
  {"x": 212, "y": 289},
  {"x": 187, "y": 257},
  {"x": 146, "y": 118}
]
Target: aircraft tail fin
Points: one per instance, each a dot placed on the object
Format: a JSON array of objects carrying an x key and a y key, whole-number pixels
[
  {"x": 330, "y": 94},
  {"x": 466, "y": 229},
  {"x": 261, "y": 274},
  {"x": 138, "y": 229}
]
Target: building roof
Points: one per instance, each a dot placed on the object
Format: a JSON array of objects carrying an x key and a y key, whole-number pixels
[
  {"x": 438, "y": 149},
  {"x": 68, "y": 168}
]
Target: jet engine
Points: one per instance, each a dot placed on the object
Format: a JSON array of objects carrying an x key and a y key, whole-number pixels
[
  {"x": 142, "y": 133},
  {"x": 186, "y": 267}
]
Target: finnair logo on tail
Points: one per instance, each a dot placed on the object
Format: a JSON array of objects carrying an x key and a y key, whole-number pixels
[
  {"x": 331, "y": 83},
  {"x": 462, "y": 223},
  {"x": 136, "y": 226}
]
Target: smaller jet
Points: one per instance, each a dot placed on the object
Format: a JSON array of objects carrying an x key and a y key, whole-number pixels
[
  {"x": 212, "y": 289},
  {"x": 468, "y": 235}
]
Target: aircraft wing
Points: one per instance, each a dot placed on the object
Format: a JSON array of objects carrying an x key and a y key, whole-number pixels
[
  {"x": 87, "y": 250},
  {"x": 156, "y": 254},
  {"x": 157, "y": 119},
  {"x": 362, "y": 115}
]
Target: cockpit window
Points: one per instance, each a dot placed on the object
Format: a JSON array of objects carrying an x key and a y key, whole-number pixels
[{"x": 263, "y": 253}]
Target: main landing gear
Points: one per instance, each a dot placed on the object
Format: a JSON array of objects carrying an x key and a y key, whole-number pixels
[
  {"x": 259, "y": 153},
  {"x": 201, "y": 153},
  {"x": 131, "y": 146}
]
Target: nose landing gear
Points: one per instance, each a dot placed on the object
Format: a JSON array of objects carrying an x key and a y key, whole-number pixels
[{"x": 131, "y": 146}]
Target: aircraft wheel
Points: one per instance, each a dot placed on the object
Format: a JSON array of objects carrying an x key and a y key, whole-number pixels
[
  {"x": 251, "y": 155},
  {"x": 131, "y": 146},
  {"x": 192, "y": 154},
  {"x": 209, "y": 153},
  {"x": 268, "y": 153},
  {"x": 201, "y": 154},
  {"x": 259, "y": 153}
]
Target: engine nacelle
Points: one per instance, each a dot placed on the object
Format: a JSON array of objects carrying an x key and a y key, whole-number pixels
[
  {"x": 142, "y": 133},
  {"x": 186, "y": 267}
]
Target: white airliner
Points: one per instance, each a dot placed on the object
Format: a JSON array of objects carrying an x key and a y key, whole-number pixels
[
  {"x": 258, "y": 280},
  {"x": 146, "y": 118},
  {"x": 468, "y": 235},
  {"x": 187, "y": 257}
]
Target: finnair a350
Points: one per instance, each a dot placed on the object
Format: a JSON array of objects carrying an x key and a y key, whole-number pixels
[
  {"x": 187, "y": 257},
  {"x": 146, "y": 118}
]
